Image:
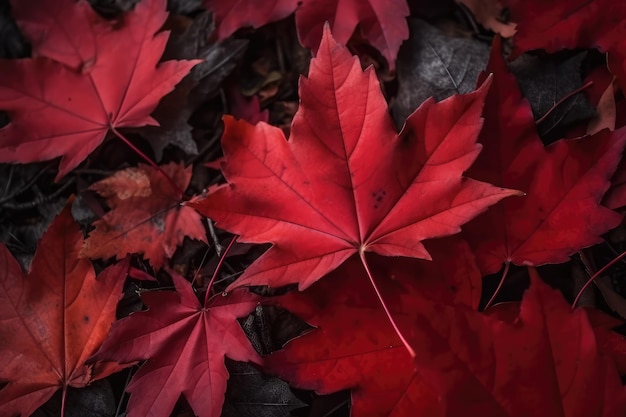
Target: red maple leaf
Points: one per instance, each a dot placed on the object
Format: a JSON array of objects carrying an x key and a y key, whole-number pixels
[
  {"x": 89, "y": 76},
  {"x": 146, "y": 214},
  {"x": 184, "y": 344},
  {"x": 346, "y": 182},
  {"x": 555, "y": 25},
  {"x": 545, "y": 363},
  {"x": 564, "y": 183},
  {"x": 354, "y": 347},
  {"x": 53, "y": 319},
  {"x": 382, "y": 23}
]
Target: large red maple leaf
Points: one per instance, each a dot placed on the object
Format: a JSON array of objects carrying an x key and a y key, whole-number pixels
[
  {"x": 184, "y": 344},
  {"x": 53, "y": 319},
  {"x": 345, "y": 182},
  {"x": 564, "y": 183},
  {"x": 382, "y": 23},
  {"x": 146, "y": 215},
  {"x": 544, "y": 363},
  {"x": 354, "y": 347},
  {"x": 88, "y": 76}
]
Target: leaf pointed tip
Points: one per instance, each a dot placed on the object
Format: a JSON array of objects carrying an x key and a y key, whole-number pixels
[
  {"x": 328, "y": 41},
  {"x": 484, "y": 87},
  {"x": 327, "y": 32}
]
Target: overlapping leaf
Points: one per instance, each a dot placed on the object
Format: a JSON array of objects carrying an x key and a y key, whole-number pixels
[
  {"x": 382, "y": 23},
  {"x": 488, "y": 13},
  {"x": 146, "y": 215},
  {"x": 88, "y": 76},
  {"x": 185, "y": 344},
  {"x": 53, "y": 319},
  {"x": 346, "y": 182},
  {"x": 545, "y": 363},
  {"x": 557, "y": 25},
  {"x": 564, "y": 183},
  {"x": 189, "y": 39},
  {"x": 241, "y": 13},
  {"x": 373, "y": 364}
]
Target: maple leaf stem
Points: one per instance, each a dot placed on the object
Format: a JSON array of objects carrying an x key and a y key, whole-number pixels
[
  {"x": 148, "y": 160},
  {"x": 507, "y": 265},
  {"x": 382, "y": 302},
  {"x": 217, "y": 269},
  {"x": 558, "y": 103},
  {"x": 63, "y": 396},
  {"x": 596, "y": 275}
]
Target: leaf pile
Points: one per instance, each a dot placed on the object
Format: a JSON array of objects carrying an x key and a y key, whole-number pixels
[{"x": 403, "y": 242}]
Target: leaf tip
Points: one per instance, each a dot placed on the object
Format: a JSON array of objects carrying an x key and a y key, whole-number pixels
[
  {"x": 328, "y": 40},
  {"x": 484, "y": 86}
]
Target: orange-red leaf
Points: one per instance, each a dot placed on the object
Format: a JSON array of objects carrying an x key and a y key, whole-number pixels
[
  {"x": 89, "y": 75},
  {"x": 346, "y": 182},
  {"x": 146, "y": 215},
  {"x": 184, "y": 344},
  {"x": 53, "y": 318}
]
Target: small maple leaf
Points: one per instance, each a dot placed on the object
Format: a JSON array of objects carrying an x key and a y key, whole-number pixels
[
  {"x": 346, "y": 182},
  {"x": 382, "y": 23},
  {"x": 185, "y": 344},
  {"x": 89, "y": 76},
  {"x": 53, "y": 319},
  {"x": 564, "y": 183},
  {"x": 146, "y": 215}
]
